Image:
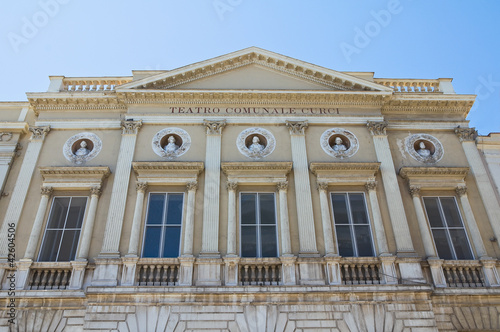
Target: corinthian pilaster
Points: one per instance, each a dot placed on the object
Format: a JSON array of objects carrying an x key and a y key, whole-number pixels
[{"x": 21, "y": 187}]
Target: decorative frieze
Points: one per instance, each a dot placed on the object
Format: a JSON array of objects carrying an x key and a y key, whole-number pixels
[{"x": 5, "y": 136}]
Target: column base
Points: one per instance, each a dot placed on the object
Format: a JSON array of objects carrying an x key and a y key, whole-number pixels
[
  {"x": 186, "y": 270},
  {"x": 106, "y": 271},
  {"x": 288, "y": 271},
  {"x": 129, "y": 270},
  {"x": 311, "y": 271},
  {"x": 208, "y": 271},
  {"x": 231, "y": 271},
  {"x": 333, "y": 275}
]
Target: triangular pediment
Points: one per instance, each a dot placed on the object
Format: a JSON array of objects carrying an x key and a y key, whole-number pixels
[{"x": 253, "y": 69}]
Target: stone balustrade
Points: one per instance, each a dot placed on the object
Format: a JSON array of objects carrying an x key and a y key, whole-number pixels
[
  {"x": 158, "y": 272},
  {"x": 360, "y": 270},
  {"x": 260, "y": 271},
  {"x": 89, "y": 84},
  {"x": 53, "y": 276},
  {"x": 462, "y": 273},
  {"x": 411, "y": 85}
]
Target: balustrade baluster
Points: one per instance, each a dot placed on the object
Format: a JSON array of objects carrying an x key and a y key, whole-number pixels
[
  {"x": 43, "y": 283},
  {"x": 151, "y": 274},
  {"x": 171, "y": 277},
  {"x": 455, "y": 276},
  {"x": 65, "y": 278},
  {"x": 267, "y": 279},
  {"x": 461, "y": 276},
  {"x": 58, "y": 279},
  {"x": 260, "y": 277},
  {"x": 247, "y": 277},
  {"x": 468, "y": 277},
  {"x": 252, "y": 275}
]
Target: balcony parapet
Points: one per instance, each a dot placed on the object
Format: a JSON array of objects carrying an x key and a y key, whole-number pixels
[
  {"x": 86, "y": 84},
  {"x": 157, "y": 272},
  {"x": 464, "y": 273},
  {"x": 260, "y": 271},
  {"x": 442, "y": 85}
]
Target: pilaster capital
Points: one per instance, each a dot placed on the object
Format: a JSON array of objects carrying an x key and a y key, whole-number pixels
[
  {"x": 461, "y": 190},
  {"x": 466, "y": 134},
  {"x": 371, "y": 185},
  {"x": 297, "y": 127},
  {"x": 130, "y": 127},
  {"x": 141, "y": 187},
  {"x": 282, "y": 186},
  {"x": 192, "y": 185},
  {"x": 377, "y": 128},
  {"x": 322, "y": 185},
  {"x": 214, "y": 127},
  {"x": 39, "y": 133},
  {"x": 5, "y": 136},
  {"x": 95, "y": 191},
  {"x": 47, "y": 191},
  {"x": 414, "y": 191},
  {"x": 231, "y": 185}
]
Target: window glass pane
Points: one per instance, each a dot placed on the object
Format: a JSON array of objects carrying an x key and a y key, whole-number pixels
[
  {"x": 268, "y": 239},
  {"x": 174, "y": 209},
  {"x": 248, "y": 208},
  {"x": 58, "y": 213},
  {"x": 339, "y": 203},
  {"x": 358, "y": 209},
  {"x": 248, "y": 241},
  {"x": 450, "y": 212},
  {"x": 155, "y": 211},
  {"x": 50, "y": 246},
  {"x": 344, "y": 241},
  {"x": 76, "y": 212},
  {"x": 442, "y": 244},
  {"x": 460, "y": 243},
  {"x": 152, "y": 242},
  {"x": 431, "y": 206},
  {"x": 68, "y": 246},
  {"x": 267, "y": 214},
  {"x": 172, "y": 241},
  {"x": 363, "y": 240}
]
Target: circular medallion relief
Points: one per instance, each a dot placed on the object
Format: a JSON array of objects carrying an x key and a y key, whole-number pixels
[
  {"x": 171, "y": 143},
  {"x": 339, "y": 143},
  {"x": 424, "y": 148},
  {"x": 82, "y": 147},
  {"x": 256, "y": 143}
]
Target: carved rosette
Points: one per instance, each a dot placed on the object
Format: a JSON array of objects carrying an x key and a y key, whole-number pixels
[
  {"x": 39, "y": 133},
  {"x": 371, "y": 185},
  {"x": 350, "y": 141},
  {"x": 68, "y": 148},
  {"x": 5, "y": 136},
  {"x": 461, "y": 190},
  {"x": 377, "y": 128},
  {"x": 322, "y": 185},
  {"x": 131, "y": 127},
  {"x": 466, "y": 134},
  {"x": 231, "y": 185},
  {"x": 158, "y": 138},
  {"x": 282, "y": 186},
  {"x": 297, "y": 127},
  {"x": 414, "y": 191},
  {"x": 214, "y": 127},
  {"x": 141, "y": 187},
  {"x": 192, "y": 185},
  {"x": 95, "y": 191},
  {"x": 46, "y": 191},
  {"x": 430, "y": 142},
  {"x": 268, "y": 148}
]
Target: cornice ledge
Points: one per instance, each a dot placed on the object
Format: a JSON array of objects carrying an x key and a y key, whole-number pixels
[
  {"x": 411, "y": 172},
  {"x": 104, "y": 171},
  {"x": 71, "y": 101},
  {"x": 139, "y": 166},
  {"x": 229, "y": 167},
  {"x": 16, "y": 127},
  {"x": 368, "y": 167}
]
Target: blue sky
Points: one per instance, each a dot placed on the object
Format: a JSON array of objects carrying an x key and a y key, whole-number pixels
[{"x": 418, "y": 39}]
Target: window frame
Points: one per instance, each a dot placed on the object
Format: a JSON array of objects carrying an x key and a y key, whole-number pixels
[
  {"x": 446, "y": 228},
  {"x": 163, "y": 226},
  {"x": 47, "y": 220},
  {"x": 351, "y": 225},
  {"x": 259, "y": 243}
]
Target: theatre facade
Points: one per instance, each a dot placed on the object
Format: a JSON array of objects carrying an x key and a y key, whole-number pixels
[{"x": 249, "y": 192}]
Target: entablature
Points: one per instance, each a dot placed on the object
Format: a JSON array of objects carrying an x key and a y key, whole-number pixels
[
  {"x": 345, "y": 173},
  {"x": 256, "y": 172},
  {"x": 435, "y": 178},
  {"x": 74, "y": 178},
  {"x": 167, "y": 173}
]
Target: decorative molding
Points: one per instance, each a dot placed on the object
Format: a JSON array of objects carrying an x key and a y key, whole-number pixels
[
  {"x": 254, "y": 172},
  {"x": 265, "y": 149},
  {"x": 438, "y": 178},
  {"x": 97, "y": 101},
  {"x": 141, "y": 186},
  {"x": 74, "y": 177},
  {"x": 429, "y": 104},
  {"x": 8, "y": 134},
  {"x": 96, "y": 191},
  {"x": 177, "y": 150},
  {"x": 82, "y": 158},
  {"x": 345, "y": 173},
  {"x": 322, "y": 185},
  {"x": 47, "y": 191},
  {"x": 371, "y": 185},
  {"x": 297, "y": 127},
  {"x": 466, "y": 134},
  {"x": 167, "y": 172},
  {"x": 130, "y": 127},
  {"x": 167, "y": 166},
  {"x": 282, "y": 186},
  {"x": 39, "y": 133},
  {"x": 349, "y": 146},
  {"x": 433, "y": 149},
  {"x": 377, "y": 128},
  {"x": 228, "y": 167},
  {"x": 232, "y": 185},
  {"x": 214, "y": 127},
  {"x": 344, "y": 167},
  {"x": 192, "y": 185},
  {"x": 461, "y": 190},
  {"x": 414, "y": 191}
]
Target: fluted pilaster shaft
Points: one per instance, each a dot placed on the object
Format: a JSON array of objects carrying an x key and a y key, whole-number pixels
[
  {"x": 378, "y": 223},
  {"x": 330, "y": 248},
  {"x": 88, "y": 226},
  {"x": 133, "y": 243},
  {"x": 286, "y": 246},
  {"x": 36, "y": 230},
  {"x": 189, "y": 226},
  {"x": 423, "y": 226},
  {"x": 231, "y": 218}
]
